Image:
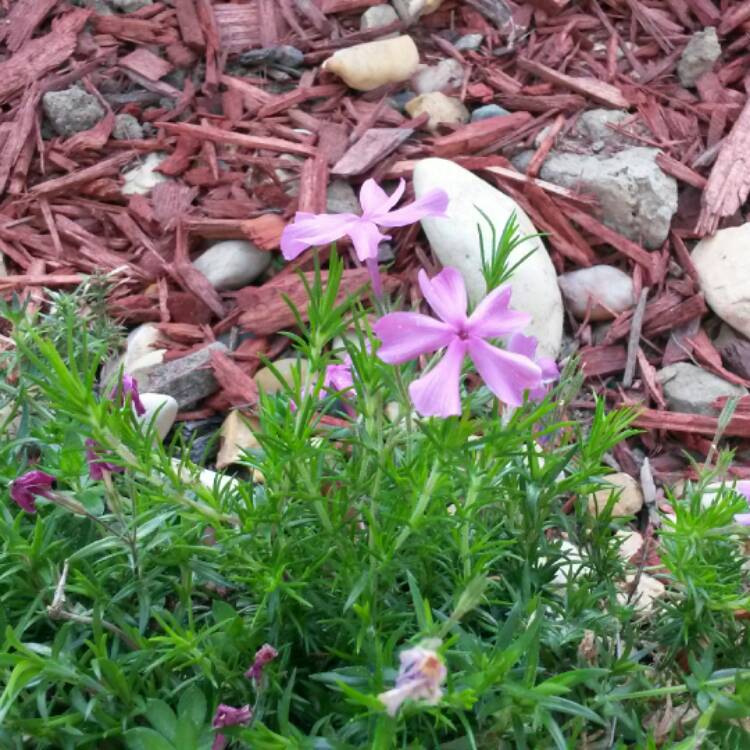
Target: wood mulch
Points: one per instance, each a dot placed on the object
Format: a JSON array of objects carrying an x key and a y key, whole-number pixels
[{"x": 63, "y": 215}]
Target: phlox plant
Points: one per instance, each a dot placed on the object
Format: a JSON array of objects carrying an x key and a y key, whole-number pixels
[{"x": 373, "y": 578}]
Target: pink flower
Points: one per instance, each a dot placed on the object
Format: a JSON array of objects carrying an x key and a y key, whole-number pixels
[
  {"x": 24, "y": 489},
  {"x": 743, "y": 487},
  {"x": 228, "y": 716},
  {"x": 320, "y": 229},
  {"x": 97, "y": 466},
  {"x": 420, "y": 676},
  {"x": 129, "y": 386},
  {"x": 526, "y": 346},
  {"x": 265, "y": 654},
  {"x": 406, "y": 335}
]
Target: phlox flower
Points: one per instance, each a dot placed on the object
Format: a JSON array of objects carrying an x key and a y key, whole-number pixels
[
  {"x": 97, "y": 466},
  {"x": 526, "y": 346},
  {"x": 743, "y": 519},
  {"x": 30, "y": 485},
  {"x": 228, "y": 716},
  {"x": 406, "y": 335},
  {"x": 265, "y": 654},
  {"x": 128, "y": 386},
  {"x": 420, "y": 676}
]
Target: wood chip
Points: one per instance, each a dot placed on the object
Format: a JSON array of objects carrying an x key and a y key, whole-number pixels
[{"x": 371, "y": 148}]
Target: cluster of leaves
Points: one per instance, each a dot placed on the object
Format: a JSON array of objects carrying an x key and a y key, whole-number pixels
[{"x": 125, "y": 629}]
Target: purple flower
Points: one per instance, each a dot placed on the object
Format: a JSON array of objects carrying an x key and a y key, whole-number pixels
[
  {"x": 97, "y": 467},
  {"x": 743, "y": 487},
  {"x": 406, "y": 335},
  {"x": 228, "y": 716},
  {"x": 24, "y": 489},
  {"x": 320, "y": 229},
  {"x": 265, "y": 654},
  {"x": 526, "y": 346},
  {"x": 129, "y": 386}
]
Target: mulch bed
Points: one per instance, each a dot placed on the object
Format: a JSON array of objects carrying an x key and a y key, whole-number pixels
[{"x": 63, "y": 215}]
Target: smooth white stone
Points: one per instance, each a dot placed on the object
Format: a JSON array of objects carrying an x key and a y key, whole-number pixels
[
  {"x": 162, "y": 409},
  {"x": 455, "y": 241},
  {"x": 607, "y": 285},
  {"x": 232, "y": 264},
  {"x": 141, "y": 179},
  {"x": 723, "y": 265},
  {"x": 447, "y": 75},
  {"x": 377, "y": 16},
  {"x": 629, "y": 497}
]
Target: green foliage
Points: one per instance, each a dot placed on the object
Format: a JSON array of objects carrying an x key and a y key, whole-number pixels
[{"x": 372, "y": 530}]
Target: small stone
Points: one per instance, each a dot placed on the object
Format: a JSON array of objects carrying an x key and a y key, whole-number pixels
[
  {"x": 127, "y": 128},
  {"x": 401, "y": 99},
  {"x": 570, "y": 566},
  {"x": 637, "y": 198},
  {"x": 418, "y": 8},
  {"x": 487, "y": 111},
  {"x": 447, "y": 75},
  {"x": 236, "y": 438},
  {"x": 232, "y": 264},
  {"x": 341, "y": 198},
  {"x": 141, "y": 179},
  {"x": 631, "y": 543},
  {"x": 593, "y": 125},
  {"x": 628, "y": 501},
  {"x": 648, "y": 590},
  {"x": 269, "y": 383},
  {"x": 723, "y": 265},
  {"x": 188, "y": 379},
  {"x": 699, "y": 56},
  {"x": 368, "y": 66},
  {"x": 141, "y": 350},
  {"x": 454, "y": 241},
  {"x": 469, "y": 42},
  {"x": 378, "y": 16},
  {"x": 72, "y": 110},
  {"x": 162, "y": 409},
  {"x": 284, "y": 56},
  {"x": 607, "y": 285},
  {"x": 735, "y": 351},
  {"x": 130, "y": 6},
  {"x": 688, "y": 388},
  {"x": 209, "y": 479},
  {"x": 441, "y": 109}
]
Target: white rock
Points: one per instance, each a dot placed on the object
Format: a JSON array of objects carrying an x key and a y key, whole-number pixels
[
  {"x": 440, "y": 108},
  {"x": 723, "y": 265},
  {"x": 419, "y": 8},
  {"x": 689, "y": 388},
  {"x": 447, "y": 75},
  {"x": 141, "y": 350},
  {"x": 267, "y": 381},
  {"x": 647, "y": 592},
  {"x": 377, "y": 16},
  {"x": 232, "y": 264},
  {"x": 236, "y": 437},
  {"x": 631, "y": 543},
  {"x": 209, "y": 479},
  {"x": 368, "y": 66},
  {"x": 602, "y": 284},
  {"x": 629, "y": 500},
  {"x": 162, "y": 409},
  {"x": 454, "y": 240},
  {"x": 699, "y": 56},
  {"x": 141, "y": 179},
  {"x": 572, "y": 565}
]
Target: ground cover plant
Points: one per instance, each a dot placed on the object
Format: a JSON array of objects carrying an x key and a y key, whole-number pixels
[{"x": 405, "y": 562}]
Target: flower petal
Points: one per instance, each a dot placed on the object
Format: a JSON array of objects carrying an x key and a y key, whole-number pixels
[
  {"x": 520, "y": 344},
  {"x": 743, "y": 487},
  {"x": 743, "y": 519},
  {"x": 436, "y": 394},
  {"x": 406, "y": 335},
  {"x": 433, "y": 203},
  {"x": 366, "y": 237},
  {"x": 493, "y": 318},
  {"x": 446, "y": 295},
  {"x": 506, "y": 374},
  {"x": 308, "y": 230},
  {"x": 374, "y": 200}
]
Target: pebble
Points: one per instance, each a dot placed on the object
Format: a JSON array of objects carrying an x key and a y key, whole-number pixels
[
  {"x": 127, "y": 128},
  {"x": 130, "y": 6},
  {"x": 162, "y": 409},
  {"x": 571, "y": 566},
  {"x": 284, "y": 56},
  {"x": 487, "y": 111},
  {"x": 723, "y": 265},
  {"x": 699, "y": 56},
  {"x": 188, "y": 379},
  {"x": 368, "y": 66},
  {"x": 209, "y": 479},
  {"x": 141, "y": 179},
  {"x": 401, "y": 99},
  {"x": 267, "y": 381},
  {"x": 607, "y": 285},
  {"x": 232, "y": 264},
  {"x": 441, "y": 109},
  {"x": 688, "y": 388},
  {"x": 141, "y": 350},
  {"x": 647, "y": 592},
  {"x": 419, "y": 8},
  {"x": 593, "y": 126},
  {"x": 236, "y": 438},
  {"x": 630, "y": 544},
  {"x": 341, "y": 198},
  {"x": 627, "y": 503},
  {"x": 72, "y": 110},
  {"x": 735, "y": 351},
  {"x": 447, "y": 75},
  {"x": 454, "y": 241},
  {"x": 377, "y": 16},
  {"x": 469, "y": 42}
]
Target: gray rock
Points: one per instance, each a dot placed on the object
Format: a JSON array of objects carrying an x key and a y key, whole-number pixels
[
  {"x": 688, "y": 388},
  {"x": 401, "y": 99},
  {"x": 699, "y": 56},
  {"x": 735, "y": 351},
  {"x": 141, "y": 179},
  {"x": 99, "y": 7},
  {"x": 284, "y": 56},
  {"x": 469, "y": 42},
  {"x": 447, "y": 75},
  {"x": 377, "y": 16},
  {"x": 593, "y": 127},
  {"x": 130, "y": 6},
  {"x": 71, "y": 110},
  {"x": 232, "y": 264},
  {"x": 637, "y": 198},
  {"x": 602, "y": 284},
  {"x": 341, "y": 198},
  {"x": 188, "y": 379},
  {"x": 487, "y": 111},
  {"x": 127, "y": 128}
]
